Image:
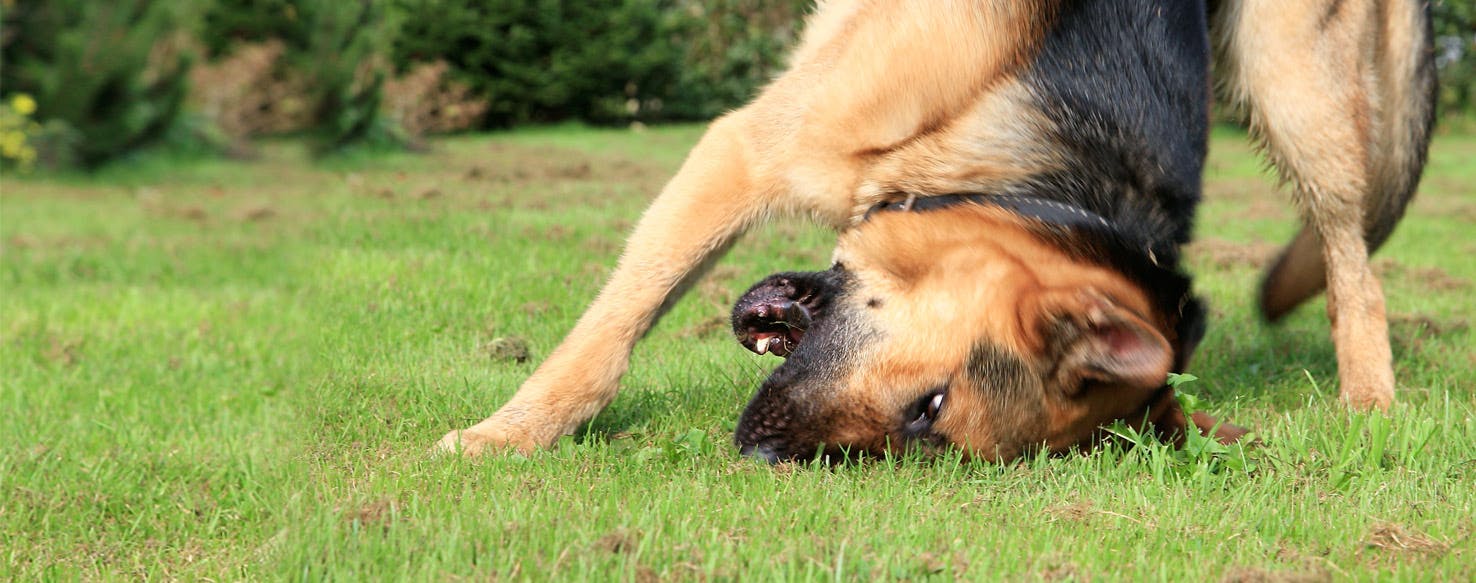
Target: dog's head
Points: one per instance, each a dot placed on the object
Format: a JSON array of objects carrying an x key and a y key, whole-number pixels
[{"x": 971, "y": 327}]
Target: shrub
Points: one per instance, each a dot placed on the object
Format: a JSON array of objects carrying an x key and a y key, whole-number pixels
[
  {"x": 248, "y": 93},
  {"x": 333, "y": 62},
  {"x": 543, "y": 60},
  {"x": 733, "y": 48},
  {"x": 230, "y": 23},
  {"x": 425, "y": 101},
  {"x": 1455, "y": 55},
  {"x": 346, "y": 59},
  {"x": 115, "y": 73}
]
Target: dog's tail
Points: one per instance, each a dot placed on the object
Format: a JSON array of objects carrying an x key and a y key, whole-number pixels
[{"x": 1396, "y": 77}]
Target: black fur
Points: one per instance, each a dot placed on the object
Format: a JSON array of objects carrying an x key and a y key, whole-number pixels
[{"x": 1125, "y": 85}]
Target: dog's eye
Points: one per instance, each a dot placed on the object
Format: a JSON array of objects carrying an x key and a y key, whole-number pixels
[
  {"x": 935, "y": 406},
  {"x": 925, "y": 411}
]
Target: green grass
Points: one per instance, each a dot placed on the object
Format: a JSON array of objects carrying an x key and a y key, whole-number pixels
[{"x": 233, "y": 370}]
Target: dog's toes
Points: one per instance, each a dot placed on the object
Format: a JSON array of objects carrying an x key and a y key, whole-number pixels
[
  {"x": 1367, "y": 398},
  {"x": 473, "y": 443},
  {"x": 451, "y": 444}
]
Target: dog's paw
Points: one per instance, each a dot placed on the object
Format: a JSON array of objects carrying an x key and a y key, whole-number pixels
[
  {"x": 475, "y": 441},
  {"x": 1367, "y": 398}
]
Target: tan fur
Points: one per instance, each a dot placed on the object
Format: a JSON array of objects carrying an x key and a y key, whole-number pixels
[
  {"x": 1333, "y": 91},
  {"x": 830, "y": 128},
  {"x": 948, "y": 279},
  {"x": 894, "y": 95}
]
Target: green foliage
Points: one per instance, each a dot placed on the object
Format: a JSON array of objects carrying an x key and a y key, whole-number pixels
[
  {"x": 546, "y": 60},
  {"x": 340, "y": 49},
  {"x": 115, "y": 73},
  {"x": 345, "y": 60},
  {"x": 733, "y": 48},
  {"x": 1455, "y": 55},
  {"x": 603, "y": 60},
  {"x": 231, "y": 22},
  {"x": 1199, "y": 457}
]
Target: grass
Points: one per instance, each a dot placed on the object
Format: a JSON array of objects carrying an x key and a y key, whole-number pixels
[{"x": 233, "y": 370}]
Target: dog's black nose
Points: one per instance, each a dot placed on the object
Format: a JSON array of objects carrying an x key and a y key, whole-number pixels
[{"x": 766, "y": 450}]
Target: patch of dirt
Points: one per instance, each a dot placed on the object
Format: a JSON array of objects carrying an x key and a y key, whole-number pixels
[
  {"x": 618, "y": 541},
  {"x": 1263, "y": 209},
  {"x": 536, "y": 307},
  {"x": 1244, "y": 189},
  {"x": 1222, "y": 254},
  {"x": 1393, "y": 538},
  {"x": 1065, "y": 571},
  {"x": 511, "y": 163},
  {"x": 1420, "y": 324},
  {"x": 255, "y": 213},
  {"x": 376, "y": 513},
  {"x": 193, "y": 213},
  {"x": 427, "y": 193},
  {"x": 1256, "y": 575},
  {"x": 622, "y": 226},
  {"x": 552, "y": 234},
  {"x": 63, "y": 352},
  {"x": 716, "y": 288},
  {"x": 1074, "y": 512},
  {"x": 507, "y": 349},
  {"x": 601, "y": 246},
  {"x": 1432, "y": 278},
  {"x": 708, "y": 328},
  {"x": 594, "y": 273}
]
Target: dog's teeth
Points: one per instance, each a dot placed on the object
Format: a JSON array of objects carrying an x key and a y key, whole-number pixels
[{"x": 762, "y": 346}]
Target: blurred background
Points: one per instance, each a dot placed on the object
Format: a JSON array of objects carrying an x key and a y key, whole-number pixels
[{"x": 86, "y": 82}]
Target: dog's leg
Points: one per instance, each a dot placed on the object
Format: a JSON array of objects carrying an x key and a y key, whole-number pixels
[
  {"x": 1339, "y": 92},
  {"x": 696, "y": 217},
  {"x": 854, "y": 93}
]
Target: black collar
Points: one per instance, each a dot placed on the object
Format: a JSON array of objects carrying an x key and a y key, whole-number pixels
[{"x": 1041, "y": 209}]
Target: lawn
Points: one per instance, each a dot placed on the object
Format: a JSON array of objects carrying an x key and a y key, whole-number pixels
[{"x": 234, "y": 370}]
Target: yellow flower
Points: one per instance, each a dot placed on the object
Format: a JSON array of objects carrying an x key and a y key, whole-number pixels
[
  {"x": 23, "y": 104},
  {"x": 12, "y": 143}
]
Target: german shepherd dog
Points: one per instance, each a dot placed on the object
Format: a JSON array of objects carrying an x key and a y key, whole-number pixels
[{"x": 1012, "y": 182}]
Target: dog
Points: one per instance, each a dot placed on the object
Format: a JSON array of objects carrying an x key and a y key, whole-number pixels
[{"x": 1012, "y": 182}]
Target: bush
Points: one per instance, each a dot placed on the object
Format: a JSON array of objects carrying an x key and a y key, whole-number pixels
[
  {"x": 231, "y": 23},
  {"x": 346, "y": 60},
  {"x": 424, "y": 101},
  {"x": 544, "y": 60},
  {"x": 602, "y": 60},
  {"x": 248, "y": 93},
  {"x": 1455, "y": 55},
  {"x": 334, "y": 60},
  {"x": 733, "y": 48},
  {"x": 113, "y": 74}
]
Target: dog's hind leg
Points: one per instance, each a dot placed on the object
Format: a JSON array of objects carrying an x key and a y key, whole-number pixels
[
  {"x": 1340, "y": 93},
  {"x": 690, "y": 224}
]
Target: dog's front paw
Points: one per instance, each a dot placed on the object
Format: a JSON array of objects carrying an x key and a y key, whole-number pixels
[{"x": 486, "y": 437}]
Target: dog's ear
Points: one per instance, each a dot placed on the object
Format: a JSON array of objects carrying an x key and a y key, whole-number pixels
[{"x": 1095, "y": 339}]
